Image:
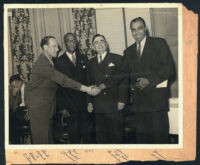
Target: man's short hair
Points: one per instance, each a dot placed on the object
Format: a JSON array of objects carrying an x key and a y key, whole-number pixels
[
  {"x": 15, "y": 78},
  {"x": 45, "y": 41},
  {"x": 68, "y": 34},
  {"x": 98, "y": 35},
  {"x": 137, "y": 19}
]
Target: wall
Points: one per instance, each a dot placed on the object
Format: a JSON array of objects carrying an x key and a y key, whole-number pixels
[
  {"x": 115, "y": 25},
  {"x": 110, "y": 22},
  {"x": 54, "y": 22},
  {"x": 165, "y": 22}
]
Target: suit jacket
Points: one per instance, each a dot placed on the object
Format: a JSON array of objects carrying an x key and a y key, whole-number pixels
[
  {"x": 15, "y": 101},
  {"x": 72, "y": 100},
  {"x": 156, "y": 64},
  {"x": 107, "y": 100},
  {"x": 42, "y": 87}
]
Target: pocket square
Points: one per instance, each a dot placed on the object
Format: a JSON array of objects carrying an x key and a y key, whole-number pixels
[
  {"x": 162, "y": 84},
  {"x": 111, "y": 65}
]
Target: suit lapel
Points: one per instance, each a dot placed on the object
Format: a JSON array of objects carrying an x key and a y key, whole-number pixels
[
  {"x": 97, "y": 70},
  {"x": 133, "y": 54},
  {"x": 46, "y": 60},
  {"x": 145, "y": 53},
  {"x": 104, "y": 64},
  {"x": 69, "y": 61}
]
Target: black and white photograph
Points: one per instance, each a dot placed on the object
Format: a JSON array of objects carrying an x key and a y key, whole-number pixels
[{"x": 94, "y": 75}]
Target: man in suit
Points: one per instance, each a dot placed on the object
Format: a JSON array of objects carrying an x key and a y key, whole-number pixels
[
  {"x": 108, "y": 104},
  {"x": 18, "y": 91},
  {"x": 149, "y": 64},
  {"x": 43, "y": 85},
  {"x": 74, "y": 103}
]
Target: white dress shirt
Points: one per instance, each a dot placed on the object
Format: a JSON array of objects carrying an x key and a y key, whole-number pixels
[
  {"x": 102, "y": 57},
  {"x": 22, "y": 96},
  {"x": 142, "y": 44},
  {"x": 71, "y": 57}
]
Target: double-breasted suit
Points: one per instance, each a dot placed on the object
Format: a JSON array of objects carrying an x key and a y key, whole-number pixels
[
  {"x": 79, "y": 122},
  {"x": 42, "y": 98},
  {"x": 151, "y": 104},
  {"x": 108, "y": 118}
]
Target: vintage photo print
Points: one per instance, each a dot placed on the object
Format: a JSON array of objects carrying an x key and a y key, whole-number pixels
[{"x": 96, "y": 79}]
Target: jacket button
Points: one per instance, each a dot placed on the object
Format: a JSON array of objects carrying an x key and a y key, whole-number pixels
[
  {"x": 104, "y": 93},
  {"x": 106, "y": 75}
]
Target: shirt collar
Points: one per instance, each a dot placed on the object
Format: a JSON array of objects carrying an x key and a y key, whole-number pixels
[
  {"x": 69, "y": 54},
  {"x": 143, "y": 41},
  {"x": 103, "y": 55}
]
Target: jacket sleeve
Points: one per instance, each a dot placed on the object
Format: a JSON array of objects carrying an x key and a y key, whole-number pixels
[
  {"x": 164, "y": 67},
  {"x": 123, "y": 86},
  {"x": 123, "y": 90},
  {"x": 89, "y": 81},
  {"x": 51, "y": 73},
  {"x": 26, "y": 94}
]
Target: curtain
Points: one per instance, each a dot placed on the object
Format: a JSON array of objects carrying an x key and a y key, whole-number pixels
[
  {"x": 84, "y": 27},
  {"x": 22, "y": 44}
]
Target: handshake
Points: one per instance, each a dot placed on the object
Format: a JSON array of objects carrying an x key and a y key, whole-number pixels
[{"x": 93, "y": 90}]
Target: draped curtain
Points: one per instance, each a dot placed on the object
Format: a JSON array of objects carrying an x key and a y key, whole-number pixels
[
  {"x": 22, "y": 44},
  {"x": 84, "y": 27}
]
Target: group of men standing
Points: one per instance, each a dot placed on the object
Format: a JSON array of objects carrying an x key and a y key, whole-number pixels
[{"x": 101, "y": 85}]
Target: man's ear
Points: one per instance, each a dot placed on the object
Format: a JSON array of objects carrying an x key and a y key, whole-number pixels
[{"x": 45, "y": 47}]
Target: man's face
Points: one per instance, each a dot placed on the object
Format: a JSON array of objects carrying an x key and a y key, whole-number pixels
[
  {"x": 52, "y": 47},
  {"x": 100, "y": 45},
  {"x": 138, "y": 30},
  {"x": 70, "y": 43}
]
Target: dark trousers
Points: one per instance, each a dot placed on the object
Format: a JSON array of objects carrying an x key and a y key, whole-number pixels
[
  {"x": 14, "y": 133},
  {"x": 41, "y": 130},
  {"x": 80, "y": 127},
  {"x": 109, "y": 128},
  {"x": 152, "y": 127}
]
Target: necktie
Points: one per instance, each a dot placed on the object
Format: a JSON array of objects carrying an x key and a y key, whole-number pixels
[
  {"x": 100, "y": 59},
  {"x": 74, "y": 59},
  {"x": 139, "y": 51}
]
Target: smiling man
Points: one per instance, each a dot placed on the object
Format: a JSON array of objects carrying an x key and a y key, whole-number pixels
[
  {"x": 149, "y": 64},
  {"x": 44, "y": 81},
  {"x": 109, "y": 103}
]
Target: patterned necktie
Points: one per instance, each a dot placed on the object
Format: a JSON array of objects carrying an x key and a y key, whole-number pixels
[
  {"x": 139, "y": 51},
  {"x": 100, "y": 59},
  {"x": 74, "y": 59}
]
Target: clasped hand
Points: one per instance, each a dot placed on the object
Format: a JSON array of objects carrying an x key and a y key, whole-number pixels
[
  {"x": 142, "y": 83},
  {"x": 93, "y": 90}
]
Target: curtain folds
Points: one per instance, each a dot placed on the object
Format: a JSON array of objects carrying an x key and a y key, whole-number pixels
[
  {"x": 22, "y": 44},
  {"x": 84, "y": 27}
]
